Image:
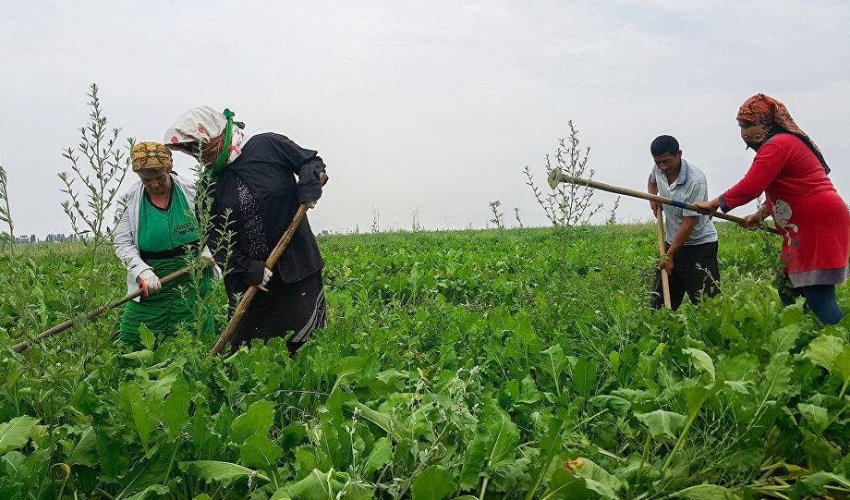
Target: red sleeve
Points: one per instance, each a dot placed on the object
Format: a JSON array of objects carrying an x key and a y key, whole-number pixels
[{"x": 769, "y": 161}]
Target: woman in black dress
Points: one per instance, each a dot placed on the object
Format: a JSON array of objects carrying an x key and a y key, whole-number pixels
[{"x": 252, "y": 183}]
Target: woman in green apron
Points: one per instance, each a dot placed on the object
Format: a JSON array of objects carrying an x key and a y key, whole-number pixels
[{"x": 155, "y": 236}]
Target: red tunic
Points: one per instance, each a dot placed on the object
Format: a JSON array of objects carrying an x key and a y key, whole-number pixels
[{"x": 805, "y": 207}]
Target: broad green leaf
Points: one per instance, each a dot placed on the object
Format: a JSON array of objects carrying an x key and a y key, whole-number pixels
[
  {"x": 737, "y": 368},
  {"x": 701, "y": 360},
  {"x": 292, "y": 435},
  {"x": 153, "y": 491},
  {"x": 159, "y": 389},
  {"x": 85, "y": 452},
  {"x": 146, "y": 337},
  {"x": 381, "y": 455},
  {"x": 777, "y": 375},
  {"x": 113, "y": 460},
  {"x": 219, "y": 472},
  {"x": 175, "y": 409},
  {"x": 397, "y": 429},
  {"x": 529, "y": 394},
  {"x": 815, "y": 416},
  {"x": 823, "y": 350},
  {"x": 495, "y": 441},
  {"x": 334, "y": 444},
  {"x": 816, "y": 484},
  {"x": 738, "y": 386},
  {"x": 258, "y": 419},
  {"x": 783, "y": 339},
  {"x": 335, "y": 402},
  {"x": 695, "y": 396},
  {"x": 843, "y": 466},
  {"x": 706, "y": 492},
  {"x": 140, "y": 356},
  {"x": 620, "y": 406},
  {"x": 596, "y": 478},
  {"x": 584, "y": 377},
  {"x": 433, "y": 483},
  {"x": 549, "y": 446},
  {"x": 792, "y": 315},
  {"x": 317, "y": 485},
  {"x": 634, "y": 396},
  {"x": 555, "y": 362},
  {"x": 15, "y": 433},
  {"x": 821, "y": 454},
  {"x": 305, "y": 461},
  {"x": 259, "y": 452},
  {"x": 150, "y": 471},
  {"x": 564, "y": 485},
  {"x": 524, "y": 330},
  {"x": 662, "y": 423},
  {"x": 841, "y": 364},
  {"x": 349, "y": 366},
  {"x": 142, "y": 418}
]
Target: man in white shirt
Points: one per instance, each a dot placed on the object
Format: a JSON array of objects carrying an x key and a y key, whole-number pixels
[{"x": 691, "y": 239}]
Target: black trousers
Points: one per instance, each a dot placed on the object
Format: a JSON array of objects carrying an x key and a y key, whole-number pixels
[{"x": 695, "y": 272}]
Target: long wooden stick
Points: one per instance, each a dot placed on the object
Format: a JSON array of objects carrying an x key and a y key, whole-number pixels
[
  {"x": 556, "y": 178},
  {"x": 230, "y": 330},
  {"x": 23, "y": 346},
  {"x": 665, "y": 278}
]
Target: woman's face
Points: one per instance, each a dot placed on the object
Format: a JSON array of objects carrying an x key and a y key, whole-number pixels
[
  {"x": 752, "y": 133},
  {"x": 209, "y": 151},
  {"x": 157, "y": 182},
  {"x": 744, "y": 126}
]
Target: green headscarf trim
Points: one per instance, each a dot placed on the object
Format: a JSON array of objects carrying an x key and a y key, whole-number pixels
[{"x": 221, "y": 161}]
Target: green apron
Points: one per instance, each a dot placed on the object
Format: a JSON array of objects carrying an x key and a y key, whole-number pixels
[{"x": 161, "y": 230}]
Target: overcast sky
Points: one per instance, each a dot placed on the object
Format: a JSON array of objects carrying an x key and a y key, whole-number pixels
[{"x": 435, "y": 106}]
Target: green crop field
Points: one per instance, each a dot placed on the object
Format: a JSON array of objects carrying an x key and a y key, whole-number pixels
[{"x": 475, "y": 364}]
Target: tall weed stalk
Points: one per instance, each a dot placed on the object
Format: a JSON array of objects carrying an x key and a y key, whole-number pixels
[
  {"x": 568, "y": 205},
  {"x": 98, "y": 167},
  {"x": 5, "y": 212}
]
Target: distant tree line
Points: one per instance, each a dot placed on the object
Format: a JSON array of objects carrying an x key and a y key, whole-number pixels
[{"x": 50, "y": 238}]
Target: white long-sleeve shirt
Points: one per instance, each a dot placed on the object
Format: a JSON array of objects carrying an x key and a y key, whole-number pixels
[{"x": 126, "y": 236}]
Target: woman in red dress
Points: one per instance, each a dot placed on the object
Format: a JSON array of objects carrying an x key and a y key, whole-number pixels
[{"x": 808, "y": 212}]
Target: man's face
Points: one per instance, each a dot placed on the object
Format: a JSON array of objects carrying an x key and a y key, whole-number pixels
[
  {"x": 156, "y": 182},
  {"x": 668, "y": 162}
]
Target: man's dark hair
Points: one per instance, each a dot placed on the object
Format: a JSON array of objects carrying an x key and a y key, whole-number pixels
[{"x": 664, "y": 144}]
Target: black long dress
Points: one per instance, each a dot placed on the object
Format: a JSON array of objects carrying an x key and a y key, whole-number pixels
[{"x": 254, "y": 199}]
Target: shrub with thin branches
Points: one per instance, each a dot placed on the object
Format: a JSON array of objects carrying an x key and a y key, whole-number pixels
[
  {"x": 567, "y": 205},
  {"x": 99, "y": 164}
]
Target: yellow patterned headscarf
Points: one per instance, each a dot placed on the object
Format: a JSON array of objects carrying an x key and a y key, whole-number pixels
[{"x": 151, "y": 155}]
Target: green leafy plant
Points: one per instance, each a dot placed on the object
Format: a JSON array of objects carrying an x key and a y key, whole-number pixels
[
  {"x": 100, "y": 164},
  {"x": 453, "y": 366}
]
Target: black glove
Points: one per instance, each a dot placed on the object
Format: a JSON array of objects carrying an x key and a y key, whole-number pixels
[{"x": 309, "y": 187}]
